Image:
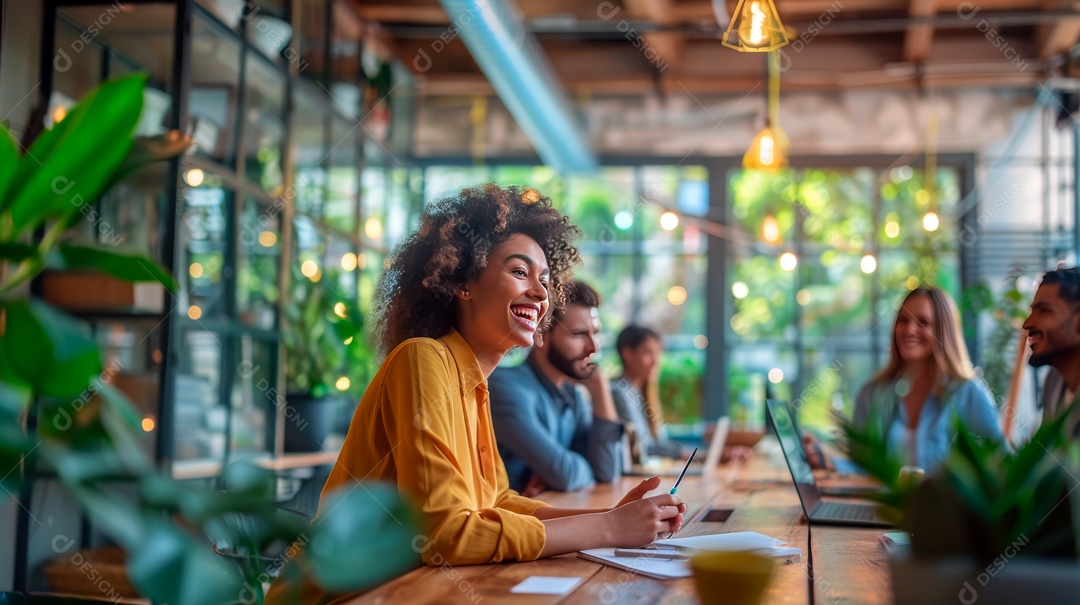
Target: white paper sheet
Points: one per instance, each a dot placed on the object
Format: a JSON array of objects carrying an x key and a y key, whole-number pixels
[
  {"x": 546, "y": 585},
  {"x": 733, "y": 542}
]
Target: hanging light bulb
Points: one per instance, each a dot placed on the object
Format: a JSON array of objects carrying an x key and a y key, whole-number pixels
[
  {"x": 768, "y": 151},
  {"x": 757, "y": 27}
]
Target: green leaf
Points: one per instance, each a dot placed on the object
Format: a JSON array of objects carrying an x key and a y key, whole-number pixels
[
  {"x": 9, "y": 161},
  {"x": 14, "y": 251},
  {"x": 79, "y": 156},
  {"x": 168, "y": 566},
  {"x": 128, "y": 267},
  {"x": 123, "y": 423},
  {"x": 112, "y": 514},
  {"x": 147, "y": 150},
  {"x": 14, "y": 443},
  {"x": 51, "y": 351},
  {"x": 366, "y": 538},
  {"x": 249, "y": 479}
]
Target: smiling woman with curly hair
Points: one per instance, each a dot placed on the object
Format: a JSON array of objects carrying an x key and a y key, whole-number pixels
[
  {"x": 476, "y": 279},
  {"x": 415, "y": 297}
]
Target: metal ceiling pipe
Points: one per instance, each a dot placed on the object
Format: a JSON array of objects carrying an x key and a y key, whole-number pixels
[{"x": 520, "y": 74}]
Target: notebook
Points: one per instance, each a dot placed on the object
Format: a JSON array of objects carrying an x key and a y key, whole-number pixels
[{"x": 662, "y": 568}]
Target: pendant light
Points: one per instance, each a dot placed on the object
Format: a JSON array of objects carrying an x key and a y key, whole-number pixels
[
  {"x": 769, "y": 150},
  {"x": 756, "y": 26}
]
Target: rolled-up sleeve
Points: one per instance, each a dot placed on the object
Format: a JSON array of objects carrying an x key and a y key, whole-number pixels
[
  {"x": 422, "y": 400},
  {"x": 513, "y": 501}
]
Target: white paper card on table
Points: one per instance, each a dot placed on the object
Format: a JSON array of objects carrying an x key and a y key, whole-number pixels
[
  {"x": 546, "y": 585},
  {"x": 733, "y": 542},
  {"x": 653, "y": 567}
]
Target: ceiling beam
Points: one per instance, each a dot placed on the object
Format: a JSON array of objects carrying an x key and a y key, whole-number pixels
[
  {"x": 398, "y": 13},
  {"x": 810, "y": 10},
  {"x": 668, "y": 46},
  {"x": 917, "y": 39},
  {"x": 388, "y": 46},
  {"x": 1061, "y": 36},
  {"x": 616, "y": 85}
]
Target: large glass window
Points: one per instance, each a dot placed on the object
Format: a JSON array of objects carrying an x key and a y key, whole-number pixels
[
  {"x": 815, "y": 286},
  {"x": 647, "y": 269}
]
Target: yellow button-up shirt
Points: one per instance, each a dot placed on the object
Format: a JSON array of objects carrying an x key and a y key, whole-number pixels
[{"x": 424, "y": 424}]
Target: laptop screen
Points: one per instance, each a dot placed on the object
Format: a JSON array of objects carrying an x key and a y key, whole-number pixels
[{"x": 787, "y": 432}]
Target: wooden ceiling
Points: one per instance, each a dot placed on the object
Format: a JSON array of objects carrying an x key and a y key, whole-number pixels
[{"x": 842, "y": 44}]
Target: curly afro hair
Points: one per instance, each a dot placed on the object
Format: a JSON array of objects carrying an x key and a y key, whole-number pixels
[{"x": 415, "y": 295}]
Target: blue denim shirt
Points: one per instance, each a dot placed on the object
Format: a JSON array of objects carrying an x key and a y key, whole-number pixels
[
  {"x": 967, "y": 400},
  {"x": 550, "y": 431}
]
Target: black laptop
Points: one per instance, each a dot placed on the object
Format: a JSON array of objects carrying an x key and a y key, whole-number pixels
[{"x": 818, "y": 511}]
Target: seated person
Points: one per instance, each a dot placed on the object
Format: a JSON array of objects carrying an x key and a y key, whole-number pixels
[
  {"x": 474, "y": 281},
  {"x": 1053, "y": 328},
  {"x": 636, "y": 392},
  {"x": 549, "y": 436},
  {"x": 928, "y": 383}
]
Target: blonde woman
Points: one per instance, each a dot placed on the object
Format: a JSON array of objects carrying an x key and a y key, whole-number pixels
[{"x": 928, "y": 383}]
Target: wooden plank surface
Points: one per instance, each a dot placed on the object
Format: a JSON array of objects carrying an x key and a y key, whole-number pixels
[{"x": 849, "y": 565}]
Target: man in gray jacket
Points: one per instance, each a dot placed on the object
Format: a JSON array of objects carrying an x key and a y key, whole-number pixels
[{"x": 549, "y": 435}]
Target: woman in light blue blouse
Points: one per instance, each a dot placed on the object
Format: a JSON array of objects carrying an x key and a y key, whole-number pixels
[
  {"x": 635, "y": 392},
  {"x": 928, "y": 383}
]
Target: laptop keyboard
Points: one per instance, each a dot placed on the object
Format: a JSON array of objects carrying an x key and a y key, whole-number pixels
[{"x": 847, "y": 510}]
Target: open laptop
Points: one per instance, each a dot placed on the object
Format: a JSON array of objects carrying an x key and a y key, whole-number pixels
[
  {"x": 823, "y": 512},
  {"x": 670, "y": 467},
  {"x": 839, "y": 491}
]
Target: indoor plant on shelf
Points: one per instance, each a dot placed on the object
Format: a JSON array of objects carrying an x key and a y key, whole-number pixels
[
  {"x": 59, "y": 414},
  {"x": 991, "y": 525},
  {"x": 322, "y": 333}
]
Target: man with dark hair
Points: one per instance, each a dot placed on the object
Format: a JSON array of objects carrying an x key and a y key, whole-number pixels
[
  {"x": 1053, "y": 328},
  {"x": 549, "y": 435}
]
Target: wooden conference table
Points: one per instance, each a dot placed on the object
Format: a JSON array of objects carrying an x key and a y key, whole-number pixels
[{"x": 848, "y": 564}]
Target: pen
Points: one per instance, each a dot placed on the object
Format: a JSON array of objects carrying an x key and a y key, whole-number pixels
[{"x": 679, "y": 480}]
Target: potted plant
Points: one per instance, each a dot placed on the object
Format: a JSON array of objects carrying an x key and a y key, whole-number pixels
[
  {"x": 89, "y": 435},
  {"x": 992, "y": 525},
  {"x": 320, "y": 329}
]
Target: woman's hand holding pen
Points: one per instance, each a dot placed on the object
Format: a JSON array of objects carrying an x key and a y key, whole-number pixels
[
  {"x": 632, "y": 513},
  {"x": 638, "y": 492},
  {"x": 642, "y": 521}
]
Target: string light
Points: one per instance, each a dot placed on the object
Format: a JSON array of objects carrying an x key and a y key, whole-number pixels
[
  {"x": 770, "y": 229},
  {"x": 268, "y": 239},
  {"x": 373, "y": 228},
  {"x": 194, "y": 177},
  {"x": 676, "y": 295},
  {"x": 868, "y": 264},
  {"x": 931, "y": 222}
]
